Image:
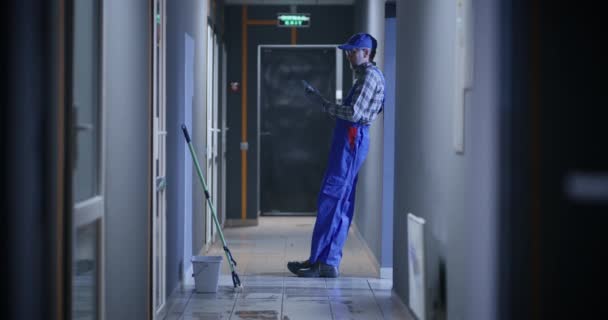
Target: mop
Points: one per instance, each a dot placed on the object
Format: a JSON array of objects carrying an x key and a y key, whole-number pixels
[{"x": 235, "y": 277}]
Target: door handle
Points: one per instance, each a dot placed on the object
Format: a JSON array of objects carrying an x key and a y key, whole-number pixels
[
  {"x": 76, "y": 128},
  {"x": 161, "y": 184},
  {"x": 84, "y": 126}
]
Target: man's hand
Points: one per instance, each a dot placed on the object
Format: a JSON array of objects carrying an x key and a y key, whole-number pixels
[
  {"x": 308, "y": 89},
  {"x": 313, "y": 94}
]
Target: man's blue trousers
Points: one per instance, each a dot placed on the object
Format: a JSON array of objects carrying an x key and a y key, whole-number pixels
[{"x": 336, "y": 200}]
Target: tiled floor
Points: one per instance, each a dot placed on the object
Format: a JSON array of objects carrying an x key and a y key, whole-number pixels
[{"x": 270, "y": 291}]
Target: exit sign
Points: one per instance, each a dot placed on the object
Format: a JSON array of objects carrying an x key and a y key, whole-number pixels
[{"x": 293, "y": 20}]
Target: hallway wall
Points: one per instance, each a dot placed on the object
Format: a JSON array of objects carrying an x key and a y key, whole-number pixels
[
  {"x": 456, "y": 193},
  {"x": 473, "y": 261},
  {"x": 429, "y": 174},
  {"x": 126, "y": 99},
  {"x": 371, "y": 216},
  {"x": 186, "y": 103}
]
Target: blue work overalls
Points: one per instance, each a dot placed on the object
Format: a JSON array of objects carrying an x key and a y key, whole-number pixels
[{"x": 336, "y": 199}]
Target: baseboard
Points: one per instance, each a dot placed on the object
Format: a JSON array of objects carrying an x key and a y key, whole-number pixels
[
  {"x": 174, "y": 295},
  {"x": 382, "y": 273},
  {"x": 386, "y": 273},
  {"x": 162, "y": 313},
  {"x": 188, "y": 279},
  {"x": 231, "y": 223},
  {"x": 175, "y": 291}
]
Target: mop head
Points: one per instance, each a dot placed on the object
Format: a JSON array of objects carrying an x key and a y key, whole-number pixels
[{"x": 238, "y": 287}]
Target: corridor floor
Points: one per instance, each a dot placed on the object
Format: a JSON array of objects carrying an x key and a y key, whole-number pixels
[{"x": 272, "y": 292}]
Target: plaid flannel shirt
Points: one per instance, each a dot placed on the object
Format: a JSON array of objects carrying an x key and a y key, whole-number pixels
[{"x": 367, "y": 99}]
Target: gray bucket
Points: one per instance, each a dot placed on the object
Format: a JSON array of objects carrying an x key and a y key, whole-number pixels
[{"x": 206, "y": 273}]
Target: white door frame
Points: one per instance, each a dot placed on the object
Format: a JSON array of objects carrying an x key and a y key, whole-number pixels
[
  {"x": 215, "y": 128},
  {"x": 159, "y": 163},
  {"x": 212, "y": 154},
  {"x": 209, "y": 118}
]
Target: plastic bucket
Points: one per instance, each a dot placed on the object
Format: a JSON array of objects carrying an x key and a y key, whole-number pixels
[{"x": 206, "y": 273}]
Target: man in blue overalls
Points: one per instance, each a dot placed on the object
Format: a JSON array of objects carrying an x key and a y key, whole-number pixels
[{"x": 349, "y": 148}]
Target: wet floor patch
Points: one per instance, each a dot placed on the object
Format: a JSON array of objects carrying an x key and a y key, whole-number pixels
[{"x": 258, "y": 314}]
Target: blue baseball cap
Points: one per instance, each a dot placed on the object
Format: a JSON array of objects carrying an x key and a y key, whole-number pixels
[{"x": 360, "y": 40}]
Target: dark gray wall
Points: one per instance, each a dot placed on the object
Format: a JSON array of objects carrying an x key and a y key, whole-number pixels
[
  {"x": 455, "y": 193},
  {"x": 329, "y": 25},
  {"x": 30, "y": 206},
  {"x": 185, "y": 206},
  {"x": 475, "y": 245},
  {"x": 193, "y": 19},
  {"x": 219, "y": 26},
  {"x": 127, "y": 104},
  {"x": 429, "y": 174}
]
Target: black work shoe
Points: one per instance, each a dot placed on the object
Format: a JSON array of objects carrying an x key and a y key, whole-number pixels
[
  {"x": 295, "y": 266},
  {"x": 319, "y": 270}
]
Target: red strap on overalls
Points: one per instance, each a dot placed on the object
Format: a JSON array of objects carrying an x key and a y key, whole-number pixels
[{"x": 352, "y": 134}]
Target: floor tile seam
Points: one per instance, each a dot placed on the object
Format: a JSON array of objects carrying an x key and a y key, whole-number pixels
[
  {"x": 284, "y": 247},
  {"x": 331, "y": 309},
  {"x": 237, "y": 295},
  {"x": 282, "y": 298},
  {"x": 376, "y": 300},
  {"x": 181, "y": 314}
]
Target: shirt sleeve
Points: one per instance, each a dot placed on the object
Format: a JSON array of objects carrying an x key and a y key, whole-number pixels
[{"x": 361, "y": 100}]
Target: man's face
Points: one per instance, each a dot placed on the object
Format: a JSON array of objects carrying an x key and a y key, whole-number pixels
[{"x": 357, "y": 56}]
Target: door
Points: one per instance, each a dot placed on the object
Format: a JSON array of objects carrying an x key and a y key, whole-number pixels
[
  {"x": 223, "y": 133},
  {"x": 88, "y": 171},
  {"x": 295, "y": 135},
  {"x": 215, "y": 128},
  {"x": 159, "y": 160}
]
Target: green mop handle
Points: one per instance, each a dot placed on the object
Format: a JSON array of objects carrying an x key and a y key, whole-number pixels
[{"x": 200, "y": 176}]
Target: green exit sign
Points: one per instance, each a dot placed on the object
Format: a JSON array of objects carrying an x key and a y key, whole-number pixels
[{"x": 293, "y": 20}]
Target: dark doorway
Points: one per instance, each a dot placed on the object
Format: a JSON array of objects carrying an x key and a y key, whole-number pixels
[{"x": 295, "y": 135}]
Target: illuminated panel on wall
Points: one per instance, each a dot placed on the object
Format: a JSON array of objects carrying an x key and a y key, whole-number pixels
[{"x": 293, "y": 20}]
